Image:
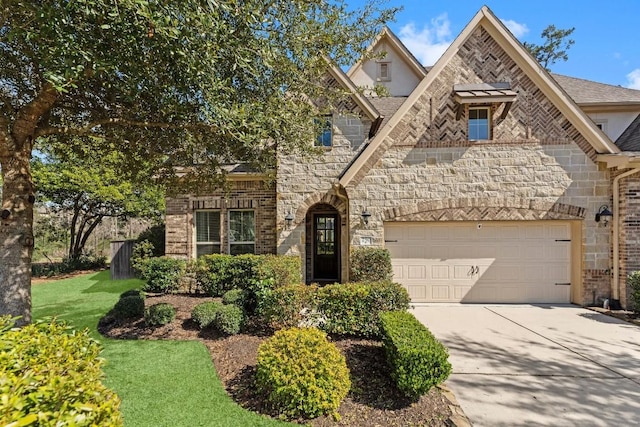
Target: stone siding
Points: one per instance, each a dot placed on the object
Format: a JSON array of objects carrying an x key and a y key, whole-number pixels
[{"x": 258, "y": 196}]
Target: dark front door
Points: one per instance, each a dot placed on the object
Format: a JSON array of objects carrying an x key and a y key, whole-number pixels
[{"x": 326, "y": 248}]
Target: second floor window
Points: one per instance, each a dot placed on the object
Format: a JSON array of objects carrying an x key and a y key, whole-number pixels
[
  {"x": 479, "y": 128},
  {"x": 324, "y": 127}
]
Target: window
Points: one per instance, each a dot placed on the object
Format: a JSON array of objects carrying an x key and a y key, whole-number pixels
[
  {"x": 325, "y": 131},
  {"x": 207, "y": 232},
  {"x": 479, "y": 123},
  {"x": 384, "y": 71},
  {"x": 601, "y": 124},
  {"x": 242, "y": 232}
]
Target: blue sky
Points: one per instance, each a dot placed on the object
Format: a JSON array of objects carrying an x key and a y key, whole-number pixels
[{"x": 607, "y": 34}]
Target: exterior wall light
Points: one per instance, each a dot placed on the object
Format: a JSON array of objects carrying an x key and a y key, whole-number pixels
[
  {"x": 604, "y": 214},
  {"x": 365, "y": 216},
  {"x": 288, "y": 219}
]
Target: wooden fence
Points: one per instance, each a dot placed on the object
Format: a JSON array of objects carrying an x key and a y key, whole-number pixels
[{"x": 121, "y": 251}]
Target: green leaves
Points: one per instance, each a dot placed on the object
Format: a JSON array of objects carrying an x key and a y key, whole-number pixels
[{"x": 555, "y": 47}]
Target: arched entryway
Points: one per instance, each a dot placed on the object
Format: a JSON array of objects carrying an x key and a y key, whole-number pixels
[{"x": 324, "y": 244}]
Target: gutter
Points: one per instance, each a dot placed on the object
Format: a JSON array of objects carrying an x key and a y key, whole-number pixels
[{"x": 616, "y": 238}]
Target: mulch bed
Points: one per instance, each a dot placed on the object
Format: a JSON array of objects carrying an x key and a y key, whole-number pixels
[{"x": 374, "y": 400}]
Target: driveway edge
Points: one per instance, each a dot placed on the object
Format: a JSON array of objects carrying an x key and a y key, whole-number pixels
[{"x": 458, "y": 418}]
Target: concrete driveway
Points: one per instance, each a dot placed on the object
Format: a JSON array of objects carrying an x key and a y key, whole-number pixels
[{"x": 539, "y": 365}]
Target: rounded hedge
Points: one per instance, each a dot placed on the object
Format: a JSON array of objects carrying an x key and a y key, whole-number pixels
[
  {"x": 133, "y": 292},
  {"x": 162, "y": 274},
  {"x": 159, "y": 314},
  {"x": 52, "y": 376},
  {"x": 129, "y": 307},
  {"x": 235, "y": 297},
  {"x": 205, "y": 314},
  {"x": 229, "y": 319},
  {"x": 302, "y": 373}
]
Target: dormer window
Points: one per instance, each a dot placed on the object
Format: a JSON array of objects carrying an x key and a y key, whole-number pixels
[
  {"x": 384, "y": 71},
  {"x": 479, "y": 98},
  {"x": 479, "y": 127}
]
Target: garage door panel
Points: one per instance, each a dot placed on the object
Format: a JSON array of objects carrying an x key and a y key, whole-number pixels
[{"x": 493, "y": 262}]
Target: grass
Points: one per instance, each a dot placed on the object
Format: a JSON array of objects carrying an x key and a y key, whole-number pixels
[{"x": 161, "y": 383}]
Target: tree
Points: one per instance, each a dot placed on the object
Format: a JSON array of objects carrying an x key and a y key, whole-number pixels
[
  {"x": 554, "y": 48},
  {"x": 90, "y": 190},
  {"x": 159, "y": 81}
]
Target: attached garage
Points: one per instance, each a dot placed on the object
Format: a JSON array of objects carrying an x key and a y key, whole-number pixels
[{"x": 482, "y": 262}]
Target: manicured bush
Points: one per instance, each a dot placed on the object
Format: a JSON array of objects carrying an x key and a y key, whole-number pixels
[
  {"x": 229, "y": 319},
  {"x": 634, "y": 283},
  {"x": 289, "y": 306},
  {"x": 133, "y": 292},
  {"x": 284, "y": 270},
  {"x": 162, "y": 274},
  {"x": 353, "y": 308},
  {"x": 129, "y": 307},
  {"x": 370, "y": 265},
  {"x": 302, "y": 373},
  {"x": 235, "y": 297},
  {"x": 159, "y": 314},
  {"x": 51, "y": 376},
  {"x": 205, "y": 314},
  {"x": 417, "y": 359}
]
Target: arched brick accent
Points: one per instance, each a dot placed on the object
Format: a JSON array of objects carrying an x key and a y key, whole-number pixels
[
  {"x": 471, "y": 209},
  {"x": 330, "y": 198}
]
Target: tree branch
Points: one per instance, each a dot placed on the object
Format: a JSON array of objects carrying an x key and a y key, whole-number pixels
[
  {"x": 116, "y": 121},
  {"x": 28, "y": 117}
]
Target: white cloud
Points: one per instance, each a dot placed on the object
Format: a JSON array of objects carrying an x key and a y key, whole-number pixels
[
  {"x": 634, "y": 79},
  {"x": 429, "y": 43},
  {"x": 516, "y": 28}
]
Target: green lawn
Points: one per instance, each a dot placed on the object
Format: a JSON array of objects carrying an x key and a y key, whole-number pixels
[{"x": 161, "y": 383}]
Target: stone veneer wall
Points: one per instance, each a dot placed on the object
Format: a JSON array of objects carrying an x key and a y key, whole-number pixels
[
  {"x": 258, "y": 196},
  {"x": 537, "y": 165}
]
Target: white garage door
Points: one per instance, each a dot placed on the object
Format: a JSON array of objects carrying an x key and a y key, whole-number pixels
[{"x": 511, "y": 261}]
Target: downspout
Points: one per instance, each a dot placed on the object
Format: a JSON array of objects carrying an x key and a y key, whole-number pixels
[{"x": 616, "y": 229}]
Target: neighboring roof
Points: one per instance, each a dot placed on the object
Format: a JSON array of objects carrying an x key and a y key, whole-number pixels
[
  {"x": 359, "y": 99},
  {"x": 395, "y": 42},
  {"x": 387, "y": 106},
  {"x": 538, "y": 75},
  {"x": 630, "y": 138},
  {"x": 586, "y": 92}
]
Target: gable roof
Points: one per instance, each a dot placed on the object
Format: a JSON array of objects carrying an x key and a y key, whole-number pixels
[
  {"x": 394, "y": 41},
  {"x": 589, "y": 93},
  {"x": 362, "y": 102},
  {"x": 536, "y": 73}
]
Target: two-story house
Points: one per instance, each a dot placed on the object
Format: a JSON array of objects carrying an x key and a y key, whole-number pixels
[{"x": 486, "y": 177}]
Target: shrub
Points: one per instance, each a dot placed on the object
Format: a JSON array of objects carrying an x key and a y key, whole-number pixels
[
  {"x": 235, "y": 297},
  {"x": 133, "y": 292},
  {"x": 212, "y": 274},
  {"x": 634, "y": 283},
  {"x": 229, "y": 319},
  {"x": 129, "y": 307},
  {"x": 417, "y": 359},
  {"x": 289, "y": 306},
  {"x": 353, "y": 308},
  {"x": 302, "y": 373},
  {"x": 142, "y": 251},
  {"x": 52, "y": 376},
  {"x": 284, "y": 270},
  {"x": 159, "y": 314},
  {"x": 370, "y": 265},
  {"x": 204, "y": 314},
  {"x": 162, "y": 274}
]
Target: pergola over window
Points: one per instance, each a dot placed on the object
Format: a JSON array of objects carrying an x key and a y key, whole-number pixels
[{"x": 484, "y": 94}]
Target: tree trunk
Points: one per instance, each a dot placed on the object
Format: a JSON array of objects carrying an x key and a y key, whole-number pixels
[
  {"x": 16, "y": 236},
  {"x": 16, "y": 212}
]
